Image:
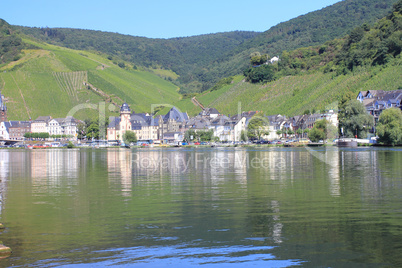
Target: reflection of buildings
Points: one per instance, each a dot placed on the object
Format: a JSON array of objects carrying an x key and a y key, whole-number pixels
[
  {"x": 4, "y": 173},
  {"x": 4, "y": 164},
  {"x": 52, "y": 167},
  {"x": 119, "y": 164}
]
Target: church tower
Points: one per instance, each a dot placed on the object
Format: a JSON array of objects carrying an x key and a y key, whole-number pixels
[{"x": 125, "y": 117}]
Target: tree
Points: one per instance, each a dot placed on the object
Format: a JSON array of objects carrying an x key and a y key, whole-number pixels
[
  {"x": 316, "y": 134},
  {"x": 93, "y": 130},
  {"x": 257, "y": 127},
  {"x": 262, "y": 74},
  {"x": 129, "y": 137},
  {"x": 205, "y": 135},
  {"x": 81, "y": 130},
  {"x": 389, "y": 127},
  {"x": 299, "y": 132},
  {"x": 355, "y": 120},
  {"x": 257, "y": 59},
  {"x": 190, "y": 135},
  {"x": 322, "y": 130},
  {"x": 243, "y": 135}
]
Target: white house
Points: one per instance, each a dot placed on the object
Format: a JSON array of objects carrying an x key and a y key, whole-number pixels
[
  {"x": 274, "y": 59},
  {"x": 54, "y": 126},
  {"x": 40, "y": 124},
  {"x": 4, "y": 132},
  {"x": 63, "y": 126}
]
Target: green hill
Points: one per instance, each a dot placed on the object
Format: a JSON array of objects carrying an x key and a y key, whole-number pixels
[
  {"x": 51, "y": 80},
  {"x": 200, "y": 61},
  {"x": 39, "y": 78},
  {"x": 292, "y": 95},
  {"x": 311, "y": 29},
  {"x": 369, "y": 58}
]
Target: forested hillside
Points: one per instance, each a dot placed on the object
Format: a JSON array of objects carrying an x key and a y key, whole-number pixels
[
  {"x": 10, "y": 43},
  {"x": 201, "y": 61},
  {"x": 311, "y": 29},
  {"x": 317, "y": 77}
]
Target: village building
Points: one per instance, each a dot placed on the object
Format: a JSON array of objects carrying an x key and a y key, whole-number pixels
[
  {"x": 17, "y": 129},
  {"x": 143, "y": 125},
  {"x": 198, "y": 122},
  {"x": 3, "y": 109},
  {"x": 173, "y": 137},
  {"x": 4, "y": 130},
  {"x": 237, "y": 125},
  {"x": 274, "y": 59},
  {"x": 40, "y": 124},
  {"x": 173, "y": 121},
  {"x": 210, "y": 113},
  {"x": 63, "y": 126},
  {"x": 376, "y": 101},
  {"x": 276, "y": 123}
]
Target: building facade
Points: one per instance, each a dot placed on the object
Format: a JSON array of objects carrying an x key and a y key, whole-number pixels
[{"x": 3, "y": 109}]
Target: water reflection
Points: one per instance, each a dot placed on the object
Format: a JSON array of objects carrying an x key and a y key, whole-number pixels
[
  {"x": 51, "y": 167},
  {"x": 243, "y": 205}
]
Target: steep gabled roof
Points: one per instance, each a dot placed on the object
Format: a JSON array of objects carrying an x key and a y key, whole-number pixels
[
  {"x": 175, "y": 114},
  {"x": 220, "y": 120},
  {"x": 198, "y": 122},
  {"x": 114, "y": 123}
]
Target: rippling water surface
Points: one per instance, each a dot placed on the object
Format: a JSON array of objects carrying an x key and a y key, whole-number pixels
[{"x": 219, "y": 207}]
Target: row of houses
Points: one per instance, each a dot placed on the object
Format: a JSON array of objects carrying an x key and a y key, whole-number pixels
[
  {"x": 15, "y": 130},
  {"x": 173, "y": 126},
  {"x": 376, "y": 101}
]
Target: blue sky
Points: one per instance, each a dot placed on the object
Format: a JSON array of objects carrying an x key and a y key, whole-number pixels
[{"x": 158, "y": 18}]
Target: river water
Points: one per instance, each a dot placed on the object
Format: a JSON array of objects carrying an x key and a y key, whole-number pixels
[{"x": 216, "y": 207}]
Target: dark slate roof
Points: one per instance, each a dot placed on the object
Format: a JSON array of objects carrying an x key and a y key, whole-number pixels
[
  {"x": 16, "y": 124},
  {"x": 175, "y": 114},
  {"x": 198, "y": 122},
  {"x": 144, "y": 119},
  {"x": 136, "y": 126},
  {"x": 114, "y": 122},
  {"x": 219, "y": 120}
]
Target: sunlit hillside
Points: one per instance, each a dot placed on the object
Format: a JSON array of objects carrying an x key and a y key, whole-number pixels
[
  {"x": 53, "y": 80},
  {"x": 292, "y": 95}
]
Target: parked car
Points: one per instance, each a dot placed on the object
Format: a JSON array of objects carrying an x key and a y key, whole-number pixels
[{"x": 263, "y": 142}]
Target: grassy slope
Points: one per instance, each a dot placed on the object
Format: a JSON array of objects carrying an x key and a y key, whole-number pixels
[
  {"x": 294, "y": 94},
  {"x": 50, "y": 80}
]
